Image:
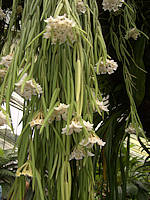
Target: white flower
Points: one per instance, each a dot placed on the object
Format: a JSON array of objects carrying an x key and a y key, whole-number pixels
[
  {"x": 88, "y": 125},
  {"x": 102, "y": 105},
  {"x": 37, "y": 121},
  {"x": 2, "y": 14},
  {"x": 60, "y": 111},
  {"x": 30, "y": 88},
  {"x": 79, "y": 153},
  {"x": 81, "y": 7},
  {"x": 109, "y": 67},
  {"x": 3, "y": 119},
  {"x": 59, "y": 29},
  {"x": 6, "y": 60},
  {"x": 112, "y": 5},
  {"x": 132, "y": 33},
  {"x": 92, "y": 139},
  {"x": 3, "y": 72},
  {"x": 62, "y": 108},
  {"x": 75, "y": 126}
]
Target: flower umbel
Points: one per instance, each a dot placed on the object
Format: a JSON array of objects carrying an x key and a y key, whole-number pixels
[
  {"x": 79, "y": 153},
  {"x": 60, "y": 111},
  {"x": 92, "y": 139},
  {"x": 59, "y": 29},
  {"x": 109, "y": 67},
  {"x": 3, "y": 72},
  {"x": 2, "y": 14},
  {"x": 25, "y": 170},
  {"x": 37, "y": 121},
  {"x": 81, "y": 7},
  {"x": 102, "y": 105},
  {"x": 112, "y": 5},
  {"x": 75, "y": 126},
  {"x": 6, "y": 60},
  {"x": 30, "y": 88},
  {"x": 133, "y": 33},
  {"x": 3, "y": 119}
]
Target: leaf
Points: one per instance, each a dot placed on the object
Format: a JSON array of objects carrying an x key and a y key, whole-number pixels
[
  {"x": 139, "y": 72},
  {"x": 132, "y": 189},
  {"x": 1, "y": 152}
]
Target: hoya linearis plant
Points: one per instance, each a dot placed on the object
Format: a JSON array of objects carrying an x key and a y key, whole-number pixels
[{"x": 52, "y": 65}]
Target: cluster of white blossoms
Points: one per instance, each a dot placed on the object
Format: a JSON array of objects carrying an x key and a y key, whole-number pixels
[
  {"x": 2, "y": 14},
  {"x": 112, "y": 5},
  {"x": 3, "y": 119},
  {"x": 6, "y": 60},
  {"x": 30, "y": 88},
  {"x": 3, "y": 72},
  {"x": 102, "y": 105},
  {"x": 92, "y": 139},
  {"x": 81, "y": 7},
  {"x": 133, "y": 33},
  {"x": 37, "y": 121},
  {"x": 109, "y": 67},
  {"x": 76, "y": 127},
  {"x": 131, "y": 129},
  {"x": 60, "y": 112},
  {"x": 79, "y": 153},
  {"x": 59, "y": 29}
]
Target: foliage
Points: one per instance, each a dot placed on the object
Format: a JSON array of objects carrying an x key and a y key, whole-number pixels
[{"x": 8, "y": 167}]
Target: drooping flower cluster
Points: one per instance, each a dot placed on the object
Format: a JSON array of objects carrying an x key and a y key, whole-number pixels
[
  {"x": 131, "y": 129},
  {"x": 81, "y": 7},
  {"x": 6, "y": 60},
  {"x": 133, "y": 33},
  {"x": 2, "y": 72},
  {"x": 30, "y": 88},
  {"x": 2, "y": 14},
  {"x": 59, "y": 29},
  {"x": 102, "y": 105},
  {"x": 60, "y": 111},
  {"x": 76, "y": 127},
  {"x": 79, "y": 153},
  {"x": 112, "y": 5},
  {"x": 3, "y": 119},
  {"x": 25, "y": 170},
  {"x": 92, "y": 139},
  {"x": 109, "y": 67},
  {"x": 37, "y": 121}
]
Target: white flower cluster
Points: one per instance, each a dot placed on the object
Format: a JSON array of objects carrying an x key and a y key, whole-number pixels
[
  {"x": 109, "y": 67},
  {"x": 2, "y": 14},
  {"x": 2, "y": 72},
  {"x": 3, "y": 119},
  {"x": 37, "y": 121},
  {"x": 81, "y": 7},
  {"x": 30, "y": 88},
  {"x": 79, "y": 153},
  {"x": 133, "y": 33},
  {"x": 59, "y": 29},
  {"x": 102, "y": 105},
  {"x": 76, "y": 127},
  {"x": 6, "y": 60},
  {"x": 92, "y": 139},
  {"x": 60, "y": 111},
  {"x": 112, "y": 5},
  {"x": 132, "y": 130}
]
